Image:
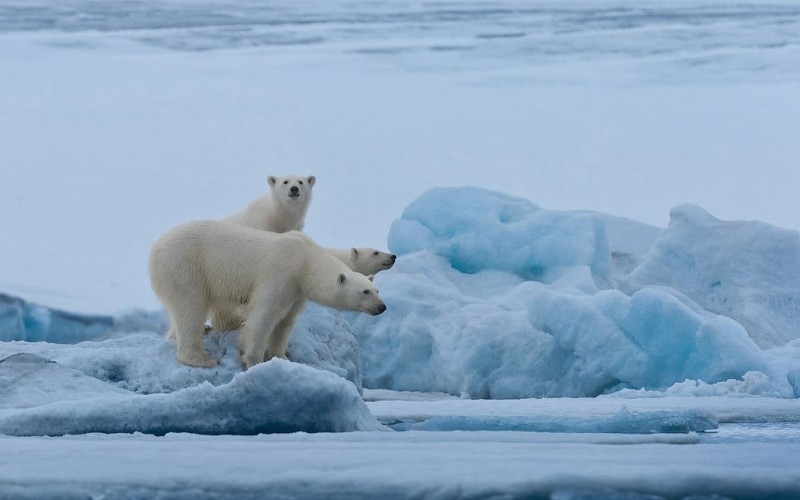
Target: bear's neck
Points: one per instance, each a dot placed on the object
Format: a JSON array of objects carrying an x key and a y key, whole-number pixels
[
  {"x": 320, "y": 282},
  {"x": 294, "y": 212}
]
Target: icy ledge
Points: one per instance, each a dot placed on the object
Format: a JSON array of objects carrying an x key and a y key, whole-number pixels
[{"x": 273, "y": 397}]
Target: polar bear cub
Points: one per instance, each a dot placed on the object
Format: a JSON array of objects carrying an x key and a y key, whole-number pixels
[
  {"x": 201, "y": 267},
  {"x": 367, "y": 261},
  {"x": 282, "y": 209}
]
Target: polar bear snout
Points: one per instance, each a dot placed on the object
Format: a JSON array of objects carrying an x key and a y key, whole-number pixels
[
  {"x": 378, "y": 309},
  {"x": 294, "y": 192}
]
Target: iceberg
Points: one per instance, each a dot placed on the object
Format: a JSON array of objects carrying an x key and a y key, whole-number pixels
[{"x": 494, "y": 297}]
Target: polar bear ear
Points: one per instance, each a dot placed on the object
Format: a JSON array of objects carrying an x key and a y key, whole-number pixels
[
  {"x": 272, "y": 180},
  {"x": 311, "y": 180},
  {"x": 353, "y": 253},
  {"x": 371, "y": 277},
  {"x": 342, "y": 278}
]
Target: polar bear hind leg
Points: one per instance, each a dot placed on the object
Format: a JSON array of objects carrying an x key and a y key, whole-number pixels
[
  {"x": 225, "y": 320},
  {"x": 188, "y": 325}
]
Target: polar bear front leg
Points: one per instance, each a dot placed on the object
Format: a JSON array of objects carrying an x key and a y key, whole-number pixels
[
  {"x": 255, "y": 334},
  {"x": 279, "y": 339}
]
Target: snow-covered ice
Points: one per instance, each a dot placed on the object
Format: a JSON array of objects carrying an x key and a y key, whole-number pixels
[
  {"x": 747, "y": 271},
  {"x": 276, "y": 397},
  {"x": 622, "y": 229},
  {"x": 144, "y": 361}
]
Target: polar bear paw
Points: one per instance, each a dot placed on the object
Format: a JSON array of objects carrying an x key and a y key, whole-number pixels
[{"x": 199, "y": 360}]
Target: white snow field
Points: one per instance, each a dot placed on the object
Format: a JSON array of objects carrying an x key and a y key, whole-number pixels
[{"x": 597, "y": 291}]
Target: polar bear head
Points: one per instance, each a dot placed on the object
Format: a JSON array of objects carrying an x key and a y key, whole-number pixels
[
  {"x": 358, "y": 293},
  {"x": 369, "y": 261},
  {"x": 294, "y": 189}
]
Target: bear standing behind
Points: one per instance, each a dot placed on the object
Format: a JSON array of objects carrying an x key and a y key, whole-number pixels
[
  {"x": 201, "y": 267},
  {"x": 282, "y": 209}
]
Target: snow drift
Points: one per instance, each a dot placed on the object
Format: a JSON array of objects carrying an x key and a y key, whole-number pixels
[{"x": 273, "y": 397}]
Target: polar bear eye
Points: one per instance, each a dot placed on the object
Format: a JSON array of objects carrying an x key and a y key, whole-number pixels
[
  {"x": 286, "y": 182},
  {"x": 366, "y": 292},
  {"x": 301, "y": 183},
  {"x": 375, "y": 252}
]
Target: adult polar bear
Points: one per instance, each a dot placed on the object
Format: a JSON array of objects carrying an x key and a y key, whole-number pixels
[{"x": 205, "y": 266}]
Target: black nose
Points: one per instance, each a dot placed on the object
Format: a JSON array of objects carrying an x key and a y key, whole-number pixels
[
  {"x": 382, "y": 307},
  {"x": 294, "y": 190},
  {"x": 394, "y": 258}
]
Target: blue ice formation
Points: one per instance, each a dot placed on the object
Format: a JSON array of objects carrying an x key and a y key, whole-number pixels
[
  {"x": 746, "y": 270},
  {"x": 22, "y": 320},
  {"x": 478, "y": 230},
  {"x": 272, "y": 397},
  {"x": 493, "y": 297}
]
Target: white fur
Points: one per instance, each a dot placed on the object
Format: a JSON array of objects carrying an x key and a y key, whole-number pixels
[
  {"x": 215, "y": 268},
  {"x": 367, "y": 261},
  {"x": 278, "y": 211}
]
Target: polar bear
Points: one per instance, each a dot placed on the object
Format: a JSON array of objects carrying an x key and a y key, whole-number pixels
[
  {"x": 205, "y": 266},
  {"x": 367, "y": 261},
  {"x": 282, "y": 209}
]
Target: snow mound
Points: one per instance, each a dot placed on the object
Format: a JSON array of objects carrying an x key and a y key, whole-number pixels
[
  {"x": 273, "y": 397},
  {"x": 748, "y": 271},
  {"x": 28, "y": 380},
  {"x": 624, "y": 422},
  {"x": 119, "y": 352},
  {"x": 493, "y": 297},
  {"x": 144, "y": 363}
]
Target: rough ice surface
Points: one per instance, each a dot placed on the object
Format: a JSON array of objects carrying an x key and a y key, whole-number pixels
[
  {"x": 28, "y": 380},
  {"x": 746, "y": 270},
  {"x": 493, "y": 297},
  {"x": 477, "y": 230},
  {"x": 273, "y": 397},
  {"x": 145, "y": 362}
]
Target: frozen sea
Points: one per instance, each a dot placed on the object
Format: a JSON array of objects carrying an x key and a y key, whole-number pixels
[{"x": 644, "y": 345}]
